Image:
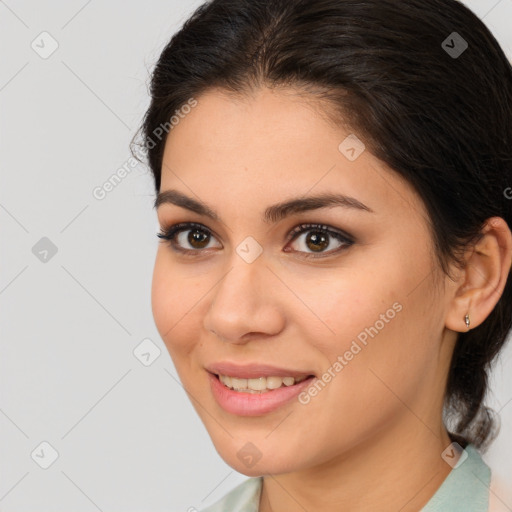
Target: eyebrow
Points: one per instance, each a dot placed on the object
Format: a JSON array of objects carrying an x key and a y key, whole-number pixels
[{"x": 273, "y": 213}]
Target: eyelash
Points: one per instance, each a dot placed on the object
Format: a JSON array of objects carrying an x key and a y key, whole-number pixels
[{"x": 170, "y": 233}]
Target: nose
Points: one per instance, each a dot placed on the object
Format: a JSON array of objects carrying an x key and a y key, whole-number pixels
[{"x": 245, "y": 304}]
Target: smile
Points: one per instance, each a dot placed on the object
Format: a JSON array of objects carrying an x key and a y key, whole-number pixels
[{"x": 245, "y": 401}]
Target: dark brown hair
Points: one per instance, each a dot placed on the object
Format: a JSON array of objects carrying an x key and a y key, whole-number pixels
[{"x": 437, "y": 112}]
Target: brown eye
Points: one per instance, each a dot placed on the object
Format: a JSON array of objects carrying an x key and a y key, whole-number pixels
[
  {"x": 179, "y": 236},
  {"x": 318, "y": 238},
  {"x": 197, "y": 238},
  {"x": 319, "y": 241}
]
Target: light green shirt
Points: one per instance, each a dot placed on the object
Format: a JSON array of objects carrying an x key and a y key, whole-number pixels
[{"x": 465, "y": 489}]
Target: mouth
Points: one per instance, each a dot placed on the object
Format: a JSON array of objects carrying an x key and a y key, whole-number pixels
[{"x": 256, "y": 396}]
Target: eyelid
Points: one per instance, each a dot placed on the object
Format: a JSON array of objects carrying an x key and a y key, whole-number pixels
[
  {"x": 168, "y": 233},
  {"x": 311, "y": 226}
]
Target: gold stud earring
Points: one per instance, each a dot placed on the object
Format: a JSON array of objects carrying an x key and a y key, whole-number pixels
[{"x": 466, "y": 319}]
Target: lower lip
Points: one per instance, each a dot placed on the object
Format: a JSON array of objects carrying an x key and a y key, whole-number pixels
[{"x": 254, "y": 404}]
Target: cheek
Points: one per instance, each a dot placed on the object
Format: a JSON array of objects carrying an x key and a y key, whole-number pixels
[
  {"x": 383, "y": 348},
  {"x": 161, "y": 300},
  {"x": 342, "y": 306},
  {"x": 371, "y": 320},
  {"x": 178, "y": 296},
  {"x": 169, "y": 302}
]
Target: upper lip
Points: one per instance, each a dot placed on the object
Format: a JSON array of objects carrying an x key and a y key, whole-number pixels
[{"x": 253, "y": 370}]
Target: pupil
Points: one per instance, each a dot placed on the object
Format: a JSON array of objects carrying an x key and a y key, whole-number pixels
[
  {"x": 197, "y": 237},
  {"x": 318, "y": 238}
]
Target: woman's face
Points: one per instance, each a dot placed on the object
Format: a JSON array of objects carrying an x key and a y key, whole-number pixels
[{"x": 361, "y": 314}]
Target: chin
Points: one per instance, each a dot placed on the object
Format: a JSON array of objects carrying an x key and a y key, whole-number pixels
[
  {"x": 245, "y": 458},
  {"x": 259, "y": 469}
]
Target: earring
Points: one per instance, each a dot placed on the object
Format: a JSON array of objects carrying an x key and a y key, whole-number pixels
[{"x": 466, "y": 319}]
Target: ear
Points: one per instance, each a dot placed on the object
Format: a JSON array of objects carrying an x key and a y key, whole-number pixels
[{"x": 481, "y": 284}]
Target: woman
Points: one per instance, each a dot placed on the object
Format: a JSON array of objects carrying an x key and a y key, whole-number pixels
[{"x": 333, "y": 190}]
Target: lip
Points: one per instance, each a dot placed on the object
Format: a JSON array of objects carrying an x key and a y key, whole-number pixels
[
  {"x": 257, "y": 404},
  {"x": 253, "y": 370}
]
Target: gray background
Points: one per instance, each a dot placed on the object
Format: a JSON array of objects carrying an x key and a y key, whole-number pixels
[{"x": 126, "y": 434}]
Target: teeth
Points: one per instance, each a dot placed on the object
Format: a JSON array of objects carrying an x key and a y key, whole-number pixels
[
  {"x": 238, "y": 383},
  {"x": 274, "y": 382},
  {"x": 258, "y": 385},
  {"x": 288, "y": 381}
]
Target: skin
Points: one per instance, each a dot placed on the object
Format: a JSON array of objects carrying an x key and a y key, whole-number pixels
[{"x": 372, "y": 438}]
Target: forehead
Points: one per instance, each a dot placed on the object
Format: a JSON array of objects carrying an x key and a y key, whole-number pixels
[{"x": 272, "y": 145}]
